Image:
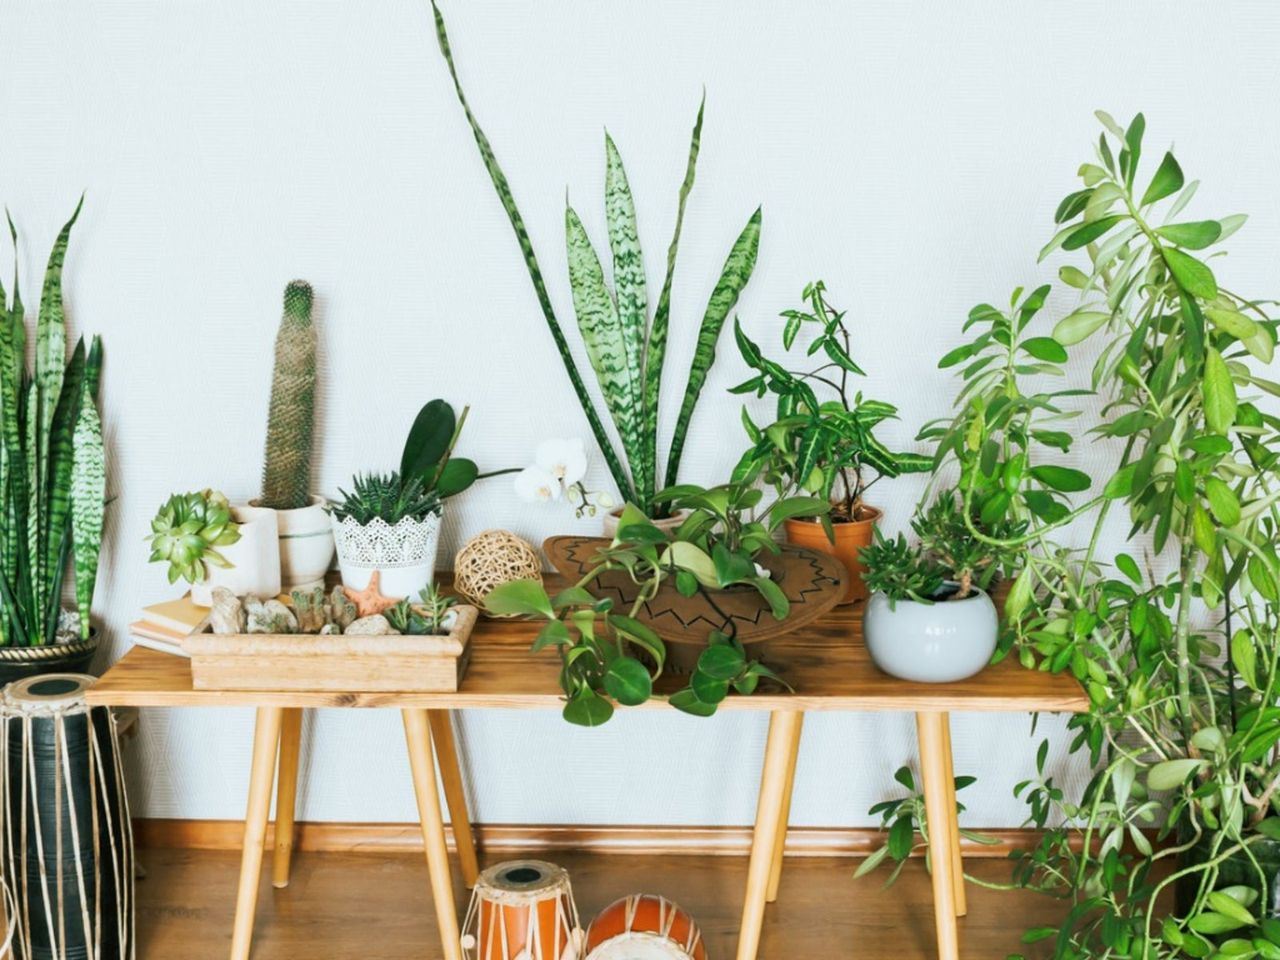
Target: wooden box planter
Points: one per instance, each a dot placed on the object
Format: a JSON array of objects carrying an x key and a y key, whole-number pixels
[{"x": 343, "y": 663}]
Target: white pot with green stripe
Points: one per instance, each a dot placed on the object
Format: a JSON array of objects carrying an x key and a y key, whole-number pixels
[{"x": 306, "y": 545}]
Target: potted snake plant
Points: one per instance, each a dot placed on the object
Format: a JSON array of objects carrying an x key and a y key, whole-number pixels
[
  {"x": 825, "y": 447},
  {"x": 52, "y": 482},
  {"x": 626, "y": 348}
]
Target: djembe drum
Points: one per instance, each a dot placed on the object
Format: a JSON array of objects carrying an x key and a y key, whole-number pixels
[
  {"x": 66, "y": 850},
  {"x": 644, "y": 927},
  {"x": 522, "y": 910}
]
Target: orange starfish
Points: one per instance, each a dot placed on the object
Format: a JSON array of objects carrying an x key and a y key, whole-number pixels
[{"x": 370, "y": 600}]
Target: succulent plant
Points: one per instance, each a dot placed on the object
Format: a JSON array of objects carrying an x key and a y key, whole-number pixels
[
  {"x": 187, "y": 531},
  {"x": 286, "y": 473},
  {"x": 385, "y": 495},
  {"x": 425, "y": 618}
]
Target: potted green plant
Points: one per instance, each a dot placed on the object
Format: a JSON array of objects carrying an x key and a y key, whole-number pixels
[
  {"x": 625, "y": 348},
  {"x": 306, "y": 539},
  {"x": 209, "y": 543},
  {"x": 720, "y": 570},
  {"x": 389, "y": 524},
  {"x": 52, "y": 482},
  {"x": 824, "y": 447},
  {"x": 925, "y": 621},
  {"x": 434, "y": 614}
]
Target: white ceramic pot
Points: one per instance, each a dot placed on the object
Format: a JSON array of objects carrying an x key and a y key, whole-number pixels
[
  {"x": 403, "y": 552},
  {"x": 609, "y": 522},
  {"x": 254, "y": 559},
  {"x": 306, "y": 545},
  {"x": 938, "y": 642}
]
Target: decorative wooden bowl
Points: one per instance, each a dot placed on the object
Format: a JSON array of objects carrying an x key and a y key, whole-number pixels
[{"x": 812, "y": 581}]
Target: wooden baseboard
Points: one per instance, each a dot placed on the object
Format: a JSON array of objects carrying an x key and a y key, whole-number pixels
[{"x": 536, "y": 839}]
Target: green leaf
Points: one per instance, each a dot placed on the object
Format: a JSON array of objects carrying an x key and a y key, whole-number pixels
[
  {"x": 586, "y": 708},
  {"x": 1218, "y": 393},
  {"x": 1078, "y": 326},
  {"x": 1065, "y": 479},
  {"x": 1172, "y": 773},
  {"x": 708, "y": 689},
  {"x": 1045, "y": 348},
  {"x": 1213, "y": 923},
  {"x": 721, "y": 661},
  {"x": 1019, "y": 595},
  {"x": 519, "y": 598},
  {"x": 1245, "y": 658},
  {"x": 1194, "y": 276},
  {"x": 901, "y": 838},
  {"x": 628, "y": 682},
  {"x": 686, "y": 701},
  {"x": 733, "y": 278},
  {"x": 88, "y": 504},
  {"x": 958, "y": 355},
  {"x": 553, "y": 634},
  {"x": 773, "y": 594},
  {"x": 1121, "y": 482},
  {"x": 456, "y": 475},
  {"x": 1222, "y": 501},
  {"x": 1082, "y": 236},
  {"x": 1226, "y": 905},
  {"x": 1167, "y": 181},
  {"x": 1232, "y": 322},
  {"x": 1193, "y": 236},
  {"x": 428, "y": 439}
]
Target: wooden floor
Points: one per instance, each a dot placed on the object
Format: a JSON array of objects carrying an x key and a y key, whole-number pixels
[{"x": 344, "y": 906}]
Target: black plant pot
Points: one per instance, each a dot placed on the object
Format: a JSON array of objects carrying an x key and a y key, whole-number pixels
[
  {"x": 18, "y": 663},
  {"x": 1236, "y": 871}
]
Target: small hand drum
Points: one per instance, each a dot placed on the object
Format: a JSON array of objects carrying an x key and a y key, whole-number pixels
[
  {"x": 522, "y": 910},
  {"x": 644, "y": 927}
]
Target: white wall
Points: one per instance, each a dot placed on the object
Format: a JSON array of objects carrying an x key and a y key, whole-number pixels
[{"x": 909, "y": 153}]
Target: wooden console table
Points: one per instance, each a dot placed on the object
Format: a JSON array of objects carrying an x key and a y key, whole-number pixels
[{"x": 826, "y": 663}]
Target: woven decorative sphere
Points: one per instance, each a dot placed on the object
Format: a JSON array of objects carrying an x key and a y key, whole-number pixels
[{"x": 490, "y": 559}]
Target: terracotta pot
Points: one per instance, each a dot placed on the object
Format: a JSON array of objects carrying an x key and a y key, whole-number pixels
[
  {"x": 609, "y": 522},
  {"x": 851, "y": 537}
]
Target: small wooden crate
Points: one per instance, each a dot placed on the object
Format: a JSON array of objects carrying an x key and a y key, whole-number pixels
[{"x": 349, "y": 664}]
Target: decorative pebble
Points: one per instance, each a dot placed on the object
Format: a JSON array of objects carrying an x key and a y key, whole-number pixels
[
  {"x": 269, "y": 617},
  {"x": 227, "y": 614},
  {"x": 310, "y": 608},
  {"x": 373, "y": 626}
]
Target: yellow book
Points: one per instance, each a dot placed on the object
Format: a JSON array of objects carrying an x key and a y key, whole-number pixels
[{"x": 180, "y": 615}]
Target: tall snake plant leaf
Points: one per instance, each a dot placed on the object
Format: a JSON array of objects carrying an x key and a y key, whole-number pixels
[
  {"x": 503, "y": 189},
  {"x": 655, "y": 350},
  {"x": 57, "y": 514},
  {"x": 737, "y": 271},
  {"x": 600, "y": 325},
  {"x": 633, "y": 304},
  {"x": 33, "y": 494},
  {"x": 88, "y": 505}
]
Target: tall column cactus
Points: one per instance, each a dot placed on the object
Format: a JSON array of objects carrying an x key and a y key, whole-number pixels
[{"x": 286, "y": 474}]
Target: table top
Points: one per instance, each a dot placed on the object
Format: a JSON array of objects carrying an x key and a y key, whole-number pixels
[{"x": 826, "y": 663}]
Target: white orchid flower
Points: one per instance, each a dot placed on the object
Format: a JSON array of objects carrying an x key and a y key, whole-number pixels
[
  {"x": 566, "y": 460},
  {"x": 534, "y": 484}
]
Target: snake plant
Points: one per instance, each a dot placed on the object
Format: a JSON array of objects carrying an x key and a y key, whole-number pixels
[
  {"x": 626, "y": 350},
  {"x": 52, "y": 464}
]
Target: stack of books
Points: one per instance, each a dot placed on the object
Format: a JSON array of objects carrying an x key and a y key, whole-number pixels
[{"x": 163, "y": 626}]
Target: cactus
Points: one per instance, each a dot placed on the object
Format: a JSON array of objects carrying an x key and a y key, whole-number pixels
[{"x": 286, "y": 473}]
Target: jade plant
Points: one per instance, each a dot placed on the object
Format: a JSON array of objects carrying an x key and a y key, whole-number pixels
[
  {"x": 52, "y": 463},
  {"x": 626, "y": 348},
  {"x": 610, "y": 655},
  {"x": 286, "y": 472},
  {"x": 187, "y": 531},
  {"x": 824, "y": 447}
]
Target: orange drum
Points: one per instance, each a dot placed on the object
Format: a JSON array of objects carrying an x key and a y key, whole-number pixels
[
  {"x": 644, "y": 927},
  {"x": 522, "y": 910}
]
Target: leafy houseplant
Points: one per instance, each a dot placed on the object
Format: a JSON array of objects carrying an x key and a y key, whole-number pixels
[
  {"x": 626, "y": 350},
  {"x": 306, "y": 542},
  {"x": 187, "y": 532},
  {"x": 389, "y": 524},
  {"x": 52, "y": 475},
  {"x": 616, "y": 656},
  {"x": 826, "y": 448}
]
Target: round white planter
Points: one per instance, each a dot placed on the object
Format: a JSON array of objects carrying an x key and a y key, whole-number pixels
[
  {"x": 403, "y": 552},
  {"x": 306, "y": 545},
  {"x": 609, "y": 522},
  {"x": 931, "y": 642},
  {"x": 254, "y": 559}
]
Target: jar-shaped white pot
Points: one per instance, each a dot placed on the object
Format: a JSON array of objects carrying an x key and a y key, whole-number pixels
[
  {"x": 404, "y": 553},
  {"x": 938, "y": 642}
]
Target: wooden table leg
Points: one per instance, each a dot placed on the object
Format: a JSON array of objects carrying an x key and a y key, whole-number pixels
[
  {"x": 454, "y": 794},
  {"x": 783, "y": 728},
  {"x": 775, "y": 874},
  {"x": 286, "y": 794},
  {"x": 931, "y": 729},
  {"x": 422, "y": 763},
  {"x": 266, "y": 738},
  {"x": 957, "y": 862}
]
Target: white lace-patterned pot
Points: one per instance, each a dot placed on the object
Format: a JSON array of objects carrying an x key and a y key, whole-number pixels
[{"x": 404, "y": 552}]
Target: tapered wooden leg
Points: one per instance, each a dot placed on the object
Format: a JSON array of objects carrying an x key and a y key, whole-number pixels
[
  {"x": 422, "y": 763},
  {"x": 775, "y": 874},
  {"x": 931, "y": 729},
  {"x": 266, "y": 737},
  {"x": 783, "y": 729},
  {"x": 286, "y": 795},
  {"x": 454, "y": 794},
  {"x": 957, "y": 863}
]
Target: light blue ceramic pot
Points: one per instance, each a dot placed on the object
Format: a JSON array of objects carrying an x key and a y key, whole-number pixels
[{"x": 931, "y": 642}]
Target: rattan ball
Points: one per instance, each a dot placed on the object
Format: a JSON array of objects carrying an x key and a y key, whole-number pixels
[{"x": 490, "y": 559}]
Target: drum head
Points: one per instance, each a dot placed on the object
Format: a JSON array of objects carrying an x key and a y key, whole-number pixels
[
  {"x": 523, "y": 880},
  {"x": 48, "y": 694},
  {"x": 639, "y": 946}
]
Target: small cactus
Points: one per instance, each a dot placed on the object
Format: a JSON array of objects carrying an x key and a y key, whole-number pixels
[{"x": 286, "y": 474}]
